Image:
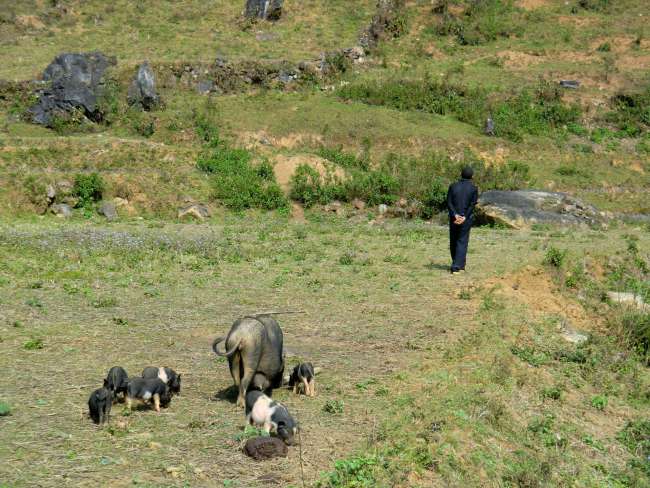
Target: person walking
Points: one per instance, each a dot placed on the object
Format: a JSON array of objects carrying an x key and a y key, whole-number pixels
[{"x": 461, "y": 199}]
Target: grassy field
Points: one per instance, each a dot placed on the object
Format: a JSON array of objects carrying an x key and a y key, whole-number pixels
[{"x": 428, "y": 379}]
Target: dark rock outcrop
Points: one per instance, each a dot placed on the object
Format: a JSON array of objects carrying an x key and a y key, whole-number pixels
[
  {"x": 76, "y": 83},
  {"x": 108, "y": 210},
  {"x": 263, "y": 9},
  {"x": 522, "y": 208},
  {"x": 142, "y": 91},
  {"x": 388, "y": 22}
]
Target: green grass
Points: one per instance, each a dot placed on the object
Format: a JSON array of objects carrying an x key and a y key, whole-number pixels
[{"x": 444, "y": 410}]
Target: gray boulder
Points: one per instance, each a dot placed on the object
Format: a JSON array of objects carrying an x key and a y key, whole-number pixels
[
  {"x": 108, "y": 210},
  {"x": 61, "y": 210},
  {"x": 263, "y": 9},
  {"x": 76, "y": 83},
  {"x": 522, "y": 208},
  {"x": 142, "y": 91}
]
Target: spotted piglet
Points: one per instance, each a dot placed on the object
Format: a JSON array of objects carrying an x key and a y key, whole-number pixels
[{"x": 272, "y": 416}]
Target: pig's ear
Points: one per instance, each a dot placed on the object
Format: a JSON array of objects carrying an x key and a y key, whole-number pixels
[
  {"x": 105, "y": 383},
  {"x": 179, "y": 376}
]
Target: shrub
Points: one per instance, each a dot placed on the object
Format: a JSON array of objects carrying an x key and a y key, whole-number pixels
[
  {"x": 631, "y": 112},
  {"x": 593, "y": 5},
  {"x": 636, "y": 331},
  {"x": 5, "y": 409},
  {"x": 555, "y": 257},
  {"x": 36, "y": 191},
  {"x": 482, "y": 21},
  {"x": 343, "y": 159},
  {"x": 532, "y": 111},
  {"x": 236, "y": 182},
  {"x": 333, "y": 406},
  {"x": 88, "y": 188},
  {"x": 34, "y": 344},
  {"x": 436, "y": 198},
  {"x": 599, "y": 402},
  {"x": 355, "y": 472},
  {"x": 373, "y": 187}
]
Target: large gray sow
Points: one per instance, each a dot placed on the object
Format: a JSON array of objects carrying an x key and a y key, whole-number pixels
[{"x": 254, "y": 352}]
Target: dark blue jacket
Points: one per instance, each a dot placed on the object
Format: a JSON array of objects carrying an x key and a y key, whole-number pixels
[{"x": 461, "y": 198}]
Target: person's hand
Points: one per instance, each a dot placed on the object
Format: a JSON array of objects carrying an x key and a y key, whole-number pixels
[{"x": 459, "y": 219}]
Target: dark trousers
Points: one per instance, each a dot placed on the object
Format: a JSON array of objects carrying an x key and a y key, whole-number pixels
[{"x": 458, "y": 242}]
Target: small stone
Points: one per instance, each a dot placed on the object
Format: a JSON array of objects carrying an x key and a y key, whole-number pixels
[
  {"x": 197, "y": 211},
  {"x": 61, "y": 210},
  {"x": 51, "y": 192},
  {"x": 358, "y": 204},
  {"x": 382, "y": 209},
  {"x": 334, "y": 206},
  {"x": 107, "y": 209},
  {"x": 155, "y": 445}
]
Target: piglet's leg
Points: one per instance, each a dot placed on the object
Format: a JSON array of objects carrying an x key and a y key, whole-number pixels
[
  {"x": 129, "y": 402},
  {"x": 267, "y": 427},
  {"x": 156, "y": 402},
  {"x": 312, "y": 387}
]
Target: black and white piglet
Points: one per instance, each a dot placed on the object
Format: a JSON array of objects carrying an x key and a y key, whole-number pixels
[
  {"x": 167, "y": 375},
  {"x": 303, "y": 377},
  {"x": 272, "y": 416},
  {"x": 100, "y": 403},
  {"x": 147, "y": 390},
  {"x": 117, "y": 380}
]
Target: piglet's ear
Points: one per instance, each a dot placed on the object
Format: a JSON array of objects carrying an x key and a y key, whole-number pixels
[{"x": 105, "y": 383}]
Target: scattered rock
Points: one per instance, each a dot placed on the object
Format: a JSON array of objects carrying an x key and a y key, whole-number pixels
[
  {"x": 382, "y": 209},
  {"x": 197, "y": 211},
  {"x": 76, "y": 85},
  {"x": 358, "y": 204},
  {"x": 61, "y": 210},
  {"x": 522, "y": 208},
  {"x": 260, "y": 448},
  {"x": 628, "y": 298},
  {"x": 50, "y": 193},
  {"x": 334, "y": 206},
  {"x": 205, "y": 87},
  {"x": 107, "y": 209},
  {"x": 142, "y": 91},
  {"x": 572, "y": 335},
  {"x": 488, "y": 130},
  {"x": 571, "y": 84},
  {"x": 386, "y": 23},
  {"x": 266, "y": 36},
  {"x": 263, "y": 9}
]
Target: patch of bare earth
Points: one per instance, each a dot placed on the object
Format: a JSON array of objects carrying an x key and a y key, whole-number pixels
[
  {"x": 532, "y": 4},
  {"x": 534, "y": 288},
  {"x": 285, "y": 167}
]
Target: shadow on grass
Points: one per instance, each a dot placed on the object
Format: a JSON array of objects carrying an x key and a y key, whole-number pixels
[
  {"x": 228, "y": 394},
  {"x": 438, "y": 266}
]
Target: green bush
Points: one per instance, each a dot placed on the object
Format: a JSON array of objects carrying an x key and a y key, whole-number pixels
[
  {"x": 436, "y": 198},
  {"x": 555, "y": 257},
  {"x": 309, "y": 188},
  {"x": 5, "y": 409},
  {"x": 88, "y": 188},
  {"x": 636, "y": 330},
  {"x": 356, "y": 472},
  {"x": 343, "y": 159},
  {"x": 481, "y": 21},
  {"x": 532, "y": 111},
  {"x": 373, "y": 187},
  {"x": 236, "y": 182},
  {"x": 631, "y": 113}
]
